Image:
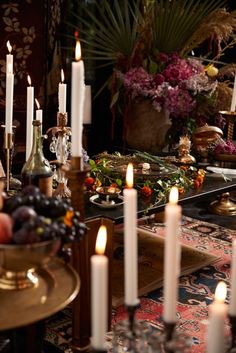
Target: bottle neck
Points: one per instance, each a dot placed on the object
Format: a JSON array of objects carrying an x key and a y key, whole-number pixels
[{"x": 37, "y": 147}]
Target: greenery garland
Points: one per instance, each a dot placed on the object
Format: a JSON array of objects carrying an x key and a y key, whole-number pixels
[{"x": 153, "y": 184}]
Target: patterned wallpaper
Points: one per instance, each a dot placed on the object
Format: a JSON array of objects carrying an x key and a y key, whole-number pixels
[{"x": 30, "y": 26}]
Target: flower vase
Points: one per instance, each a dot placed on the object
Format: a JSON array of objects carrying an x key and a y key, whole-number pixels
[{"x": 146, "y": 128}]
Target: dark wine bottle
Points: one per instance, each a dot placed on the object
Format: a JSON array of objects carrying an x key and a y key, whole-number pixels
[{"x": 36, "y": 170}]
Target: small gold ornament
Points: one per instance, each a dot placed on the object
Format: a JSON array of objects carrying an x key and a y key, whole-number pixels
[{"x": 184, "y": 151}]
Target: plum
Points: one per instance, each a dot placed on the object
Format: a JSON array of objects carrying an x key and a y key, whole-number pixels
[{"x": 22, "y": 215}]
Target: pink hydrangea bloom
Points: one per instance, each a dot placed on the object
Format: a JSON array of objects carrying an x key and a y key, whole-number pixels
[{"x": 173, "y": 87}]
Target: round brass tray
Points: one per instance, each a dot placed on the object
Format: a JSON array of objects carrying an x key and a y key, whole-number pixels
[{"x": 58, "y": 285}]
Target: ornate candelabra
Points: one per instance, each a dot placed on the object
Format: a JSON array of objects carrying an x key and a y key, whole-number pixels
[
  {"x": 136, "y": 336},
  {"x": 60, "y": 145}
]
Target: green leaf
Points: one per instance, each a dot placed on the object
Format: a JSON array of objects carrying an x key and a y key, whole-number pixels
[
  {"x": 119, "y": 182},
  {"x": 92, "y": 163}
]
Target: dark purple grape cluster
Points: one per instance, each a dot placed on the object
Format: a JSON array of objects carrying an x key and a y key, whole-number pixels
[{"x": 39, "y": 218}]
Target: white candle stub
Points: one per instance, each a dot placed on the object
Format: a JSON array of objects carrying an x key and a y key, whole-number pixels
[
  {"x": 62, "y": 94},
  {"x": 233, "y": 101},
  {"x": 39, "y": 113},
  {"x": 99, "y": 293},
  {"x": 171, "y": 256},
  {"x": 217, "y": 316}
]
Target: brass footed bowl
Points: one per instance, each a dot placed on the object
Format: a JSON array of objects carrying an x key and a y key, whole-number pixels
[
  {"x": 108, "y": 192},
  {"x": 19, "y": 263}
]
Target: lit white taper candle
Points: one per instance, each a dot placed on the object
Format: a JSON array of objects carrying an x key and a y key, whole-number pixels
[
  {"x": 9, "y": 61},
  {"x": 99, "y": 291},
  {"x": 171, "y": 256},
  {"x": 77, "y": 103},
  {"x": 216, "y": 326},
  {"x": 62, "y": 94},
  {"x": 130, "y": 240},
  {"x": 233, "y": 101},
  {"x": 39, "y": 113},
  {"x": 9, "y": 90},
  {"x": 232, "y": 302},
  {"x": 29, "y": 118}
]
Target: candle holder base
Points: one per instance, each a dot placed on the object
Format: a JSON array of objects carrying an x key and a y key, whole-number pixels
[
  {"x": 138, "y": 341},
  {"x": 170, "y": 341},
  {"x": 131, "y": 310}
]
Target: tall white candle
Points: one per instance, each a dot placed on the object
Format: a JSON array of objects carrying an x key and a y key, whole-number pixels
[
  {"x": 29, "y": 118},
  {"x": 9, "y": 90},
  {"x": 9, "y": 61},
  {"x": 62, "y": 94},
  {"x": 130, "y": 240},
  {"x": 217, "y": 315},
  {"x": 233, "y": 101},
  {"x": 232, "y": 303},
  {"x": 99, "y": 290},
  {"x": 171, "y": 256},
  {"x": 87, "y": 118},
  {"x": 39, "y": 113},
  {"x": 77, "y": 103}
]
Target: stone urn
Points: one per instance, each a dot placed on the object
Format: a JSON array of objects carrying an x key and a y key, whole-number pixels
[{"x": 146, "y": 127}]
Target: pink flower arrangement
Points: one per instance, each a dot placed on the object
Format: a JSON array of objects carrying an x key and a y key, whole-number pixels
[
  {"x": 175, "y": 86},
  {"x": 225, "y": 147}
]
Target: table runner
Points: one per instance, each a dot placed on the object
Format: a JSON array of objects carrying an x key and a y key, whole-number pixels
[{"x": 195, "y": 290}]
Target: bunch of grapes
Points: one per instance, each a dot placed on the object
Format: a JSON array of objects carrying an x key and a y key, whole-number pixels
[{"x": 39, "y": 218}]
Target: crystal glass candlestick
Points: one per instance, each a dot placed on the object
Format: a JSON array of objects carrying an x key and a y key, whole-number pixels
[{"x": 61, "y": 145}]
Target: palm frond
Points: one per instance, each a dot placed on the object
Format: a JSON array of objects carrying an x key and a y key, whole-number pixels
[
  {"x": 110, "y": 30},
  {"x": 176, "y": 21}
]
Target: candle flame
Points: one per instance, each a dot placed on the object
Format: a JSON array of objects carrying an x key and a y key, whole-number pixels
[
  {"x": 220, "y": 292},
  {"x": 101, "y": 240},
  {"x": 29, "y": 79},
  {"x": 62, "y": 76},
  {"x": 9, "y": 47},
  {"x": 129, "y": 176},
  {"x": 77, "y": 51},
  {"x": 37, "y": 103},
  {"x": 174, "y": 195}
]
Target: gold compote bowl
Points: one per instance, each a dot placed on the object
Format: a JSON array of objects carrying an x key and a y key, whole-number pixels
[{"x": 19, "y": 263}]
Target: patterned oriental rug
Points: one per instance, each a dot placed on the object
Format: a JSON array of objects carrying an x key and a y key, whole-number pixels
[{"x": 196, "y": 290}]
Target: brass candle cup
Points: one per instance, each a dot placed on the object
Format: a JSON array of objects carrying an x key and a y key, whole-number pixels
[{"x": 109, "y": 193}]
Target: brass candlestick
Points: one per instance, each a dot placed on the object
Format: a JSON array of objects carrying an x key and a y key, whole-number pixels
[
  {"x": 8, "y": 144},
  {"x": 12, "y": 184},
  {"x": 230, "y": 118},
  {"x": 81, "y": 318}
]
